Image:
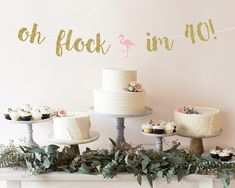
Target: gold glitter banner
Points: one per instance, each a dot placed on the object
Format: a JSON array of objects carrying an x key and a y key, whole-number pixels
[{"x": 66, "y": 41}]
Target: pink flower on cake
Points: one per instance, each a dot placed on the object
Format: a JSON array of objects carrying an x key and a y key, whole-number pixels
[
  {"x": 62, "y": 113},
  {"x": 181, "y": 109},
  {"x": 138, "y": 87}
]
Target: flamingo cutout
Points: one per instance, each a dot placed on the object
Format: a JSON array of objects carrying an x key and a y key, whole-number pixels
[{"x": 126, "y": 42}]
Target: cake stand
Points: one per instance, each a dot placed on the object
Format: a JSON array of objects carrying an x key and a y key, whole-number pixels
[
  {"x": 196, "y": 142},
  {"x": 29, "y": 129},
  {"x": 159, "y": 138},
  {"x": 74, "y": 144},
  {"x": 120, "y": 121}
]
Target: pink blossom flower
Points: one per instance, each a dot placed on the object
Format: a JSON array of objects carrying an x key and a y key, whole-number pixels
[
  {"x": 138, "y": 87},
  {"x": 181, "y": 109},
  {"x": 132, "y": 83},
  {"x": 62, "y": 113}
]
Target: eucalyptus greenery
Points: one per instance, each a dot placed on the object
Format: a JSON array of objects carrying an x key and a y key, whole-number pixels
[{"x": 121, "y": 158}]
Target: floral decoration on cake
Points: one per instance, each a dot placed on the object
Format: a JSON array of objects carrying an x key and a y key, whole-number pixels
[
  {"x": 159, "y": 127},
  {"x": 187, "y": 110},
  {"x": 61, "y": 113},
  {"x": 222, "y": 154},
  {"x": 135, "y": 87},
  {"x": 27, "y": 112}
]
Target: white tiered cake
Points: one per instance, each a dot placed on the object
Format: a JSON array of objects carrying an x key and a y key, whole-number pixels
[
  {"x": 75, "y": 126},
  {"x": 114, "y": 97},
  {"x": 203, "y": 124}
]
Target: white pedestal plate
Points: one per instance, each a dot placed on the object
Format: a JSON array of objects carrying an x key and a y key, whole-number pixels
[
  {"x": 120, "y": 122},
  {"x": 29, "y": 129},
  {"x": 159, "y": 137}
]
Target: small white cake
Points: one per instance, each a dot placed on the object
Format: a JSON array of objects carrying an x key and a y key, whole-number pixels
[
  {"x": 203, "y": 124},
  {"x": 115, "y": 97},
  {"x": 75, "y": 126}
]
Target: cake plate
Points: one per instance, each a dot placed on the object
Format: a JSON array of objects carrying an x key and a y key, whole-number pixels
[
  {"x": 120, "y": 121},
  {"x": 74, "y": 144},
  {"x": 159, "y": 137},
  {"x": 29, "y": 129},
  {"x": 196, "y": 142}
]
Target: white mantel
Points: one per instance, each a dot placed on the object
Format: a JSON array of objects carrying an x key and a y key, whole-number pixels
[{"x": 21, "y": 179}]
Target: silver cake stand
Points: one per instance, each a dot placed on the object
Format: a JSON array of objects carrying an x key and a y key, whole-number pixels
[
  {"x": 74, "y": 144},
  {"x": 29, "y": 129},
  {"x": 159, "y": 137},
  {"x": 196, "y": 142},
  {"x": 120, "y": 121}
]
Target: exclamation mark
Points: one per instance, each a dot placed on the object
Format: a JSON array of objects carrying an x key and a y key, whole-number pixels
[{"x": 212, "y": 28}]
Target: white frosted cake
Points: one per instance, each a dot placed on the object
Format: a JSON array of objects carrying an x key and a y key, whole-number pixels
[
  {"x": 197, "y": 121},
  {"x": 120, "y": 93},
  {"x": 74, "y": 126}
]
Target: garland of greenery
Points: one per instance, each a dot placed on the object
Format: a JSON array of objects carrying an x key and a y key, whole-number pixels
[{"x": 174, "y": 162}]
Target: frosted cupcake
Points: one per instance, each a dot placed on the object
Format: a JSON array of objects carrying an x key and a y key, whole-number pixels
[
  {"x": 27, "y": 107},
  {"x": 46, "y": 112},
  {"x": 158, "y": 129},
  {"x": 36, "y": 114},
  {"x": 147, "y": 128},
  {"x": 170, "y": 128},
  {"x": 215, "y": 153},
  {"x": 224, "y": 156},
  {"x": 230, "y": 151},
  {"x": 7, "y": 112},
  {"x": 24, "y": 116},
  {"x": 14, "y": 116}
]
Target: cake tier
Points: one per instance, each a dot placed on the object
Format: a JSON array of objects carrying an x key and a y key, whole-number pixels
[
  {"x": 203, "y": 124},
  {"x": 119, "y": 103},
  {"x": 116, "y": 79},
  {"x": 75, "y": 126}
]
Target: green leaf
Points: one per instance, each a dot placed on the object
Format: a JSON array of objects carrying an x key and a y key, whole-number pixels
[
  {"x": 159, "y": 174},
  {"x": 38, "y": 156},
  {"x": 46, "y": 163},
  {"x": 155, "y": 166},
  {"x": 84, "y": 169},
  {"x": 116, "y": 155},
  {"x": 51, "y": 149},
  {"x": 37, "y": 150},
  {"x": 150, "y": 179},
  {"x": 113, "y": 143},
  {"x": 144, "y": 164},
  {"x": 180, "y": 174},
  {"x": 139, "y": 179}
]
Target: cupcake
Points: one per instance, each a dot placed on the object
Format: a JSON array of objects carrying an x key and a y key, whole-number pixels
[
  {"x": 147, "y": 128},
  {"x": 46, "y": 112},
  {"x": 7, "y": 112},
  {"x": 14, "y": 116},
  {"x": 230, "y": 151},
  {"x": 169, "y": 128},
  {"x": 24, "y": 115},
  {"x": 27, "y": 107},
  {"x": 224, "y": 156},
  {"x": 36, "y": 114},
  {"x": 215, "y": 153},
  {"x": 158, "y": 129}
]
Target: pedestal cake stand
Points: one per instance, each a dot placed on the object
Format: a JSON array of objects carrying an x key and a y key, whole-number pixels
[
  {"x": 159, "y": 137},
  {"x": 29, "y": 129},
  {"x": 120, "y": 121},
  {"x": 74, "y": 144},
  {"x": 196, "y": 142}
]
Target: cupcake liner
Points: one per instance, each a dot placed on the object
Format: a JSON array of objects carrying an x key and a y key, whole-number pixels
[{"x": 7, "y": 116}]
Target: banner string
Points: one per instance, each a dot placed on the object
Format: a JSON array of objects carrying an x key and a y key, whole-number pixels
[{"x": 169, "y": 36}]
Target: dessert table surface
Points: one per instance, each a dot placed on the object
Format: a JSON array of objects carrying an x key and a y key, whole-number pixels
[{"x": 14, "y": 178}]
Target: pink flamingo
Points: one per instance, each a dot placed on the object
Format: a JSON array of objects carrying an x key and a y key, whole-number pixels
[{"x": 126, "y": 42}]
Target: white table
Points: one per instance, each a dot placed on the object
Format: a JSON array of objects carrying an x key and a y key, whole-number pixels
[{"x": 14, "y": 178}]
